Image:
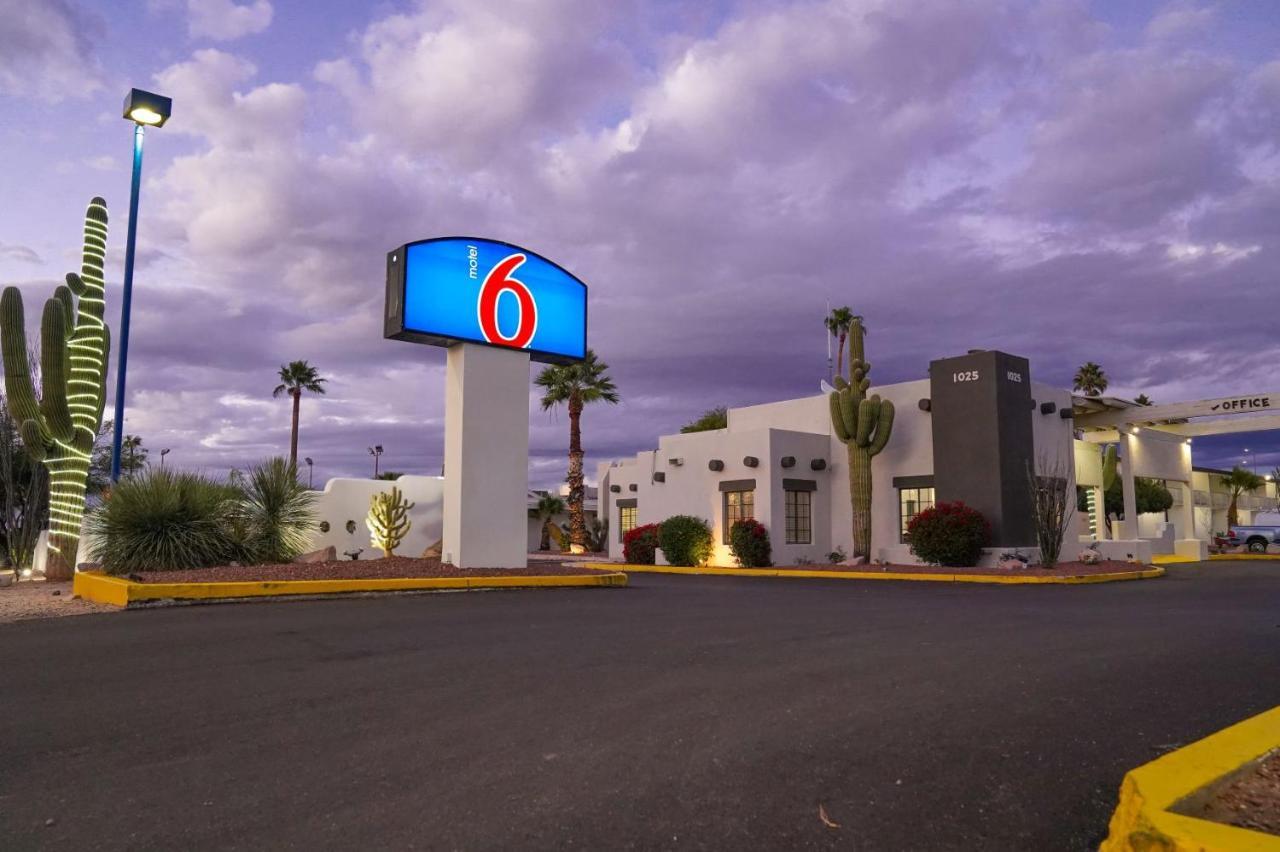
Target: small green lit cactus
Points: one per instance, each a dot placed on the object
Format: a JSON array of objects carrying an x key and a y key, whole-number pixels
[
  {"x": 59, "y": 427},
  {"x": 388, "y": 520},
  {"x": 864, "y": 424},
  {"x": 1109, "y": 459}
]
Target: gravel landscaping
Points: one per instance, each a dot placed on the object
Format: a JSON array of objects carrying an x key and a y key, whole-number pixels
[
  {"x": 1251, "y": 800},
  {"x": 40, "y": 599},
  {"x": 397, "y": 567}
]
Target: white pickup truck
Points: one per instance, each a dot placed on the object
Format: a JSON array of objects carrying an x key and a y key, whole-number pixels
[{"x": 1255, "y": 538}]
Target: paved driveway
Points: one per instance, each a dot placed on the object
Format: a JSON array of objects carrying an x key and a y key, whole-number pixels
[{"x": 681, "y": 712}]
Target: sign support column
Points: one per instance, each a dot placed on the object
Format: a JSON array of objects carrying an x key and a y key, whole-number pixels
[{"x": 486, "y": 457}]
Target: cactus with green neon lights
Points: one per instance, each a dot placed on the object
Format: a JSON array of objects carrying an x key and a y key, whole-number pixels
[
  {"x": 59, "y": 426},
  {"x": 864, "y": 424},
  {"x": 388, "y": 520}
]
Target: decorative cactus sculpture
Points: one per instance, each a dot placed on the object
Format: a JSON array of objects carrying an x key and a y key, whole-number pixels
[
  {"x": 59, "y": 428},
  {"x": 388, "y": 520},
  {"x": 864, "y": 424}
]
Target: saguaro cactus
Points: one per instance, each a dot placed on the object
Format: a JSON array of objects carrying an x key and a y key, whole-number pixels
[
  {"x": 59, "y": 427},
  {"x": 388, "y": 520},
  {"x": 864, "y": 424}
]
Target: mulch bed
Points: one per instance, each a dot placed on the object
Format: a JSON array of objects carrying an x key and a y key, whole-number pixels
[
  {"x": 1251, "y": 800},
  {"x": 397, "y": 567},
  {"x": 1070, "y": 569}
]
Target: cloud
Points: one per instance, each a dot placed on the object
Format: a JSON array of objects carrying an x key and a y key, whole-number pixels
[
  {"x": 982, "y": 174},
  {"x": 226, "y": 20},
  {"x": 47, "y": 50},
  {"x": 19, "y": 253}
]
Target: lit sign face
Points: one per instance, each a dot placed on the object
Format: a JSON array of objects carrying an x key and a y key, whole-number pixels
[{"x": 461, "y": 289}]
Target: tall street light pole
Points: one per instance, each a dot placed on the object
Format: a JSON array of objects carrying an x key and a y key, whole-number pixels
[{"x": 143, "y": 109}]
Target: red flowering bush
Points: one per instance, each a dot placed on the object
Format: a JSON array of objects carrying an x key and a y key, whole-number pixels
[
  {"x": 749, "y": 543},
  {"x": 639, "y": 543},
  {"x": 950, "y": 534}
]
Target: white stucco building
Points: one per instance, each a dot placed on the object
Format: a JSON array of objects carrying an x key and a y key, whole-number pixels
[{"x": 969, "y": 432}]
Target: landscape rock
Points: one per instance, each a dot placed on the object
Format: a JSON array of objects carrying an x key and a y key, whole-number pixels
[
  {"x": 857, "y": 560},
  {"x": 434, "y": 551},
  {"x": 324, "y": 554}
]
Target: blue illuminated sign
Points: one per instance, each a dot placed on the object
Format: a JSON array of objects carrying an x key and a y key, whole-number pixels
[{"x": 471, "y": 290}]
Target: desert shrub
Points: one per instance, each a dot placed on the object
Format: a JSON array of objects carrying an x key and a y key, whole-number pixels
[
  {"x": 749, "y": 542},
  {"x": 639, "y": 543},
  {"x": 685, "y": 540},
  {"x": 277, "y": 512},
  {"x": 164, "y": 520},
  {"x": 950, "y": 534}
]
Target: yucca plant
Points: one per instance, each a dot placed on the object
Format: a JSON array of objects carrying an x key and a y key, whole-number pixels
[
  {"x": 277, "y": 512},
  {"x": 164, "y": 520}
]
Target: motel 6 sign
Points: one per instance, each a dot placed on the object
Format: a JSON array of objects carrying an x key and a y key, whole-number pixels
[{"x": 470, "y": 290}]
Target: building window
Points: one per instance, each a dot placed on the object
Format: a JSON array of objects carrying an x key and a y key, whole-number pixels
[
  {"x": 626, "y": 520},
  {"x": 911, "y": 502},
  {"x": 799, "y": 517},
  {"x": 738, "y": 506}
]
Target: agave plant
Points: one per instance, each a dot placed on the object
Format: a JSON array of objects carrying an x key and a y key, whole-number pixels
[
  {"x": 165, "y": 520},
  {"x": 277, "y": 512}
]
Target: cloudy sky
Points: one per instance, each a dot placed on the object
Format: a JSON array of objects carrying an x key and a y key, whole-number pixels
[{"x": 1065, "y": 180}]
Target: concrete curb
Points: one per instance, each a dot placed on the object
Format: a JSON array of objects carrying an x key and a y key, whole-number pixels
[
  {"x": 994, "y": 579},
  {"x": 1142, "y": 820},
  {"x": 116, "y": 591}
]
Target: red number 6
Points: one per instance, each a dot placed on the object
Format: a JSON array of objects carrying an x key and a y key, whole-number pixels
[{"x": 497, "y": 282}]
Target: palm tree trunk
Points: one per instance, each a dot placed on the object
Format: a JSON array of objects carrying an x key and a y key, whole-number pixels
[
  {"x": 840, "y": 355},
  {"x": 577, "y": 521},
  {"x": 293, "y": 436},
  {"x": 1233, "y": 513}
]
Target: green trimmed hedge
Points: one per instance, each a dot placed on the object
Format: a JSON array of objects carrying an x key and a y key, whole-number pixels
[{"x": 685, "y": 540}]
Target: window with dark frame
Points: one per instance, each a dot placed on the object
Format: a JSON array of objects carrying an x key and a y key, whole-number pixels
[
  {"x": 626, "y": 520},
  {"x": 738, "y": 506},
  {"x": 911, "y": 502},
  {"x": 799, "y": 517}
]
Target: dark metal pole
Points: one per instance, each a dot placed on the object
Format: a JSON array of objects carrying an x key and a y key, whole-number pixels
[{"x": 122, "y": 338}]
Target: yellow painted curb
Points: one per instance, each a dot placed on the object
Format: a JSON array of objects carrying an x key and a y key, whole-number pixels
[
  {"x": 1244, "y": 557},
  {"x": 1142, "y": 820},
  {"x": 1171, "y": 559},
  {"x": 94, "y": 586},
  {"x": 997, "y": 579}
]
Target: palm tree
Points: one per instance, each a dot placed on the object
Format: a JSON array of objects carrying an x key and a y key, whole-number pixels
[
  {"x": 133, "y": 456},
  {"x": 1142, "y": 399},
  {"x": 838, "y": 323},
  {"x": 1237, "y": 482},
  {"x": 576, "y": 385},
  {"x": 549, "y": 505},
  {"x": 296, "y": 377},
  {"x": 1090, "y": 380}
]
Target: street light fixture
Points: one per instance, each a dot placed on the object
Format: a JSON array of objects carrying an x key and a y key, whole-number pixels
[
  {"x": 376, "y": 452},
  {"x": 163, "y": 453},
  {"x": 144, "y": 109},
  {"x": 310, "y": 472}
]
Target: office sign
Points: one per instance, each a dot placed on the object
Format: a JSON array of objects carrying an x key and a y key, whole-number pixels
[{"x": 470, "y": 290}]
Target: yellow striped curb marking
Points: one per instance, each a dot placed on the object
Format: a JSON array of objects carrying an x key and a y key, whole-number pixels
[
  {"x": 1142, "y": 820},
  {"x": 999, "y": 579},
  {"x": 118, "y": 591}
]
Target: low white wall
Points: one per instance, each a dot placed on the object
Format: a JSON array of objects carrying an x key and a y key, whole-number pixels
[{"x": 345, "y": 500}]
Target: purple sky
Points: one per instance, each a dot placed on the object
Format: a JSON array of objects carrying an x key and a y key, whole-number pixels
[{"x": 1067, "y": 181}]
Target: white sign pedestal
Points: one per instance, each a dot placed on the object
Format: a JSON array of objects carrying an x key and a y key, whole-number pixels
[{"x": 486, "y": 457}]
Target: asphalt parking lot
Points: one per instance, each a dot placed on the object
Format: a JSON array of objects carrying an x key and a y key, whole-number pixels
[{"x": 718, "y": 713}]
